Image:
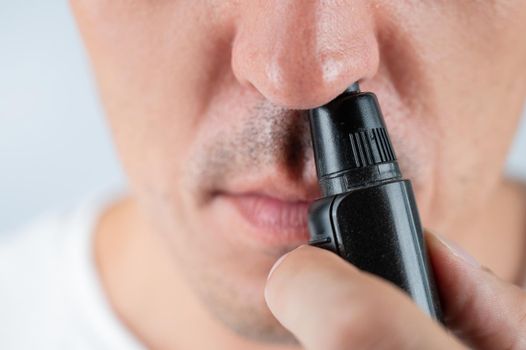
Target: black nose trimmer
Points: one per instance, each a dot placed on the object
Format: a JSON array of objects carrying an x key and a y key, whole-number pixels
[{"x": 368, "y": 214}]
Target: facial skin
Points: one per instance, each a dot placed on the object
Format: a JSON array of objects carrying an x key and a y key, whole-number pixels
[{"x": 206, "y": 101}]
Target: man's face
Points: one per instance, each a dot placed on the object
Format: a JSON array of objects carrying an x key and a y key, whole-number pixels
[{"x": 206, "y": 100}]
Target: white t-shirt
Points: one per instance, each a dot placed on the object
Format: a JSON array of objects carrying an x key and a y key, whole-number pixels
[{"x": 50, "y": 293}]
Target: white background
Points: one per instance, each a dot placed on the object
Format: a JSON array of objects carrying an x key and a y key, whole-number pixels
[{"x": 54, "y": 146}]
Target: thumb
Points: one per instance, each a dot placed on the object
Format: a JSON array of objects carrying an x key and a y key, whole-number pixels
[
  {"x": 329, "y": 304},
  {"x": 484, "y": 311}
]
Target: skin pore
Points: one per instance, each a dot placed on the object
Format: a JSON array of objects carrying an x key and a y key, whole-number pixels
[{"x": 206, "y": 102}]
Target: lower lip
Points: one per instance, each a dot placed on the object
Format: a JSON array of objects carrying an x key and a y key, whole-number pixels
[{"x": 272, "y": 220}]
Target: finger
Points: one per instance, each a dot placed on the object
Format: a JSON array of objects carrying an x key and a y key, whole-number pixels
[
  {"x": 329, "y": 304},
  {"x": 486, "y": 312}
]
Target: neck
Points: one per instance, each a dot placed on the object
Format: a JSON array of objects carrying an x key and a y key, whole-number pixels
[
  {"x": 495, "y": 233},
  {"x": 151, "y": 298},
  {"x": 147, "y": 291}
]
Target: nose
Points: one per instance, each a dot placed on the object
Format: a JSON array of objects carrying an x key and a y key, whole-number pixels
[{"x": 301, "y": 54}]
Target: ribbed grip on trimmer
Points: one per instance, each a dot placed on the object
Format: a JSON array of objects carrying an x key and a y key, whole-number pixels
[
  {"x": 351, "y": 143},
  {"x": 371, "y": 146}
]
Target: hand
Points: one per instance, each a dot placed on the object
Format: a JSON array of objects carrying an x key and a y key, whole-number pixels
[{"x": 328, "y": 304}]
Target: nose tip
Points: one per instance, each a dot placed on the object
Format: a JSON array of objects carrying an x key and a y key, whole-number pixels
[{"x": 302, "y": 55}]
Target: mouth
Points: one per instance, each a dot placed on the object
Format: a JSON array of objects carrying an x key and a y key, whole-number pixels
[
  {"x": 266, "y": 219},
  {"x": 271, "y": 214}
]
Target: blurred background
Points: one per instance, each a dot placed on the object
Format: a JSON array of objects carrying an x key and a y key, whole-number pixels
[{"x": 54, "y": 146}]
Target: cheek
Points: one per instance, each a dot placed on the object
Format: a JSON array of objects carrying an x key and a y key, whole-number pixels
[
  {"x": 463, "y": 74},
  {"x": 153, "y": 94}
]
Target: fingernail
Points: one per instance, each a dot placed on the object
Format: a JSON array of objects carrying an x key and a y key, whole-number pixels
[
  {"x": 457, "y": 250},
  {"x": 276, "y": 264}
]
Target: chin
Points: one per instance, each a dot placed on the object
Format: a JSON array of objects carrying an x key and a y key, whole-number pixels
[{"x": 229, "y": 280}]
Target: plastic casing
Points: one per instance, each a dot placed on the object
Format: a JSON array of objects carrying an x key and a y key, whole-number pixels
[
  {"x": 368, "y": 215},
  {"x": 378, "y": 230}
]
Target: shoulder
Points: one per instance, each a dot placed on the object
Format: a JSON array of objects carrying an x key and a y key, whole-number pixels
[
  {"x": 30, "y": 253},
  {"x": 22, "y": 248},
  {"x": 36, "y": 266}
]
